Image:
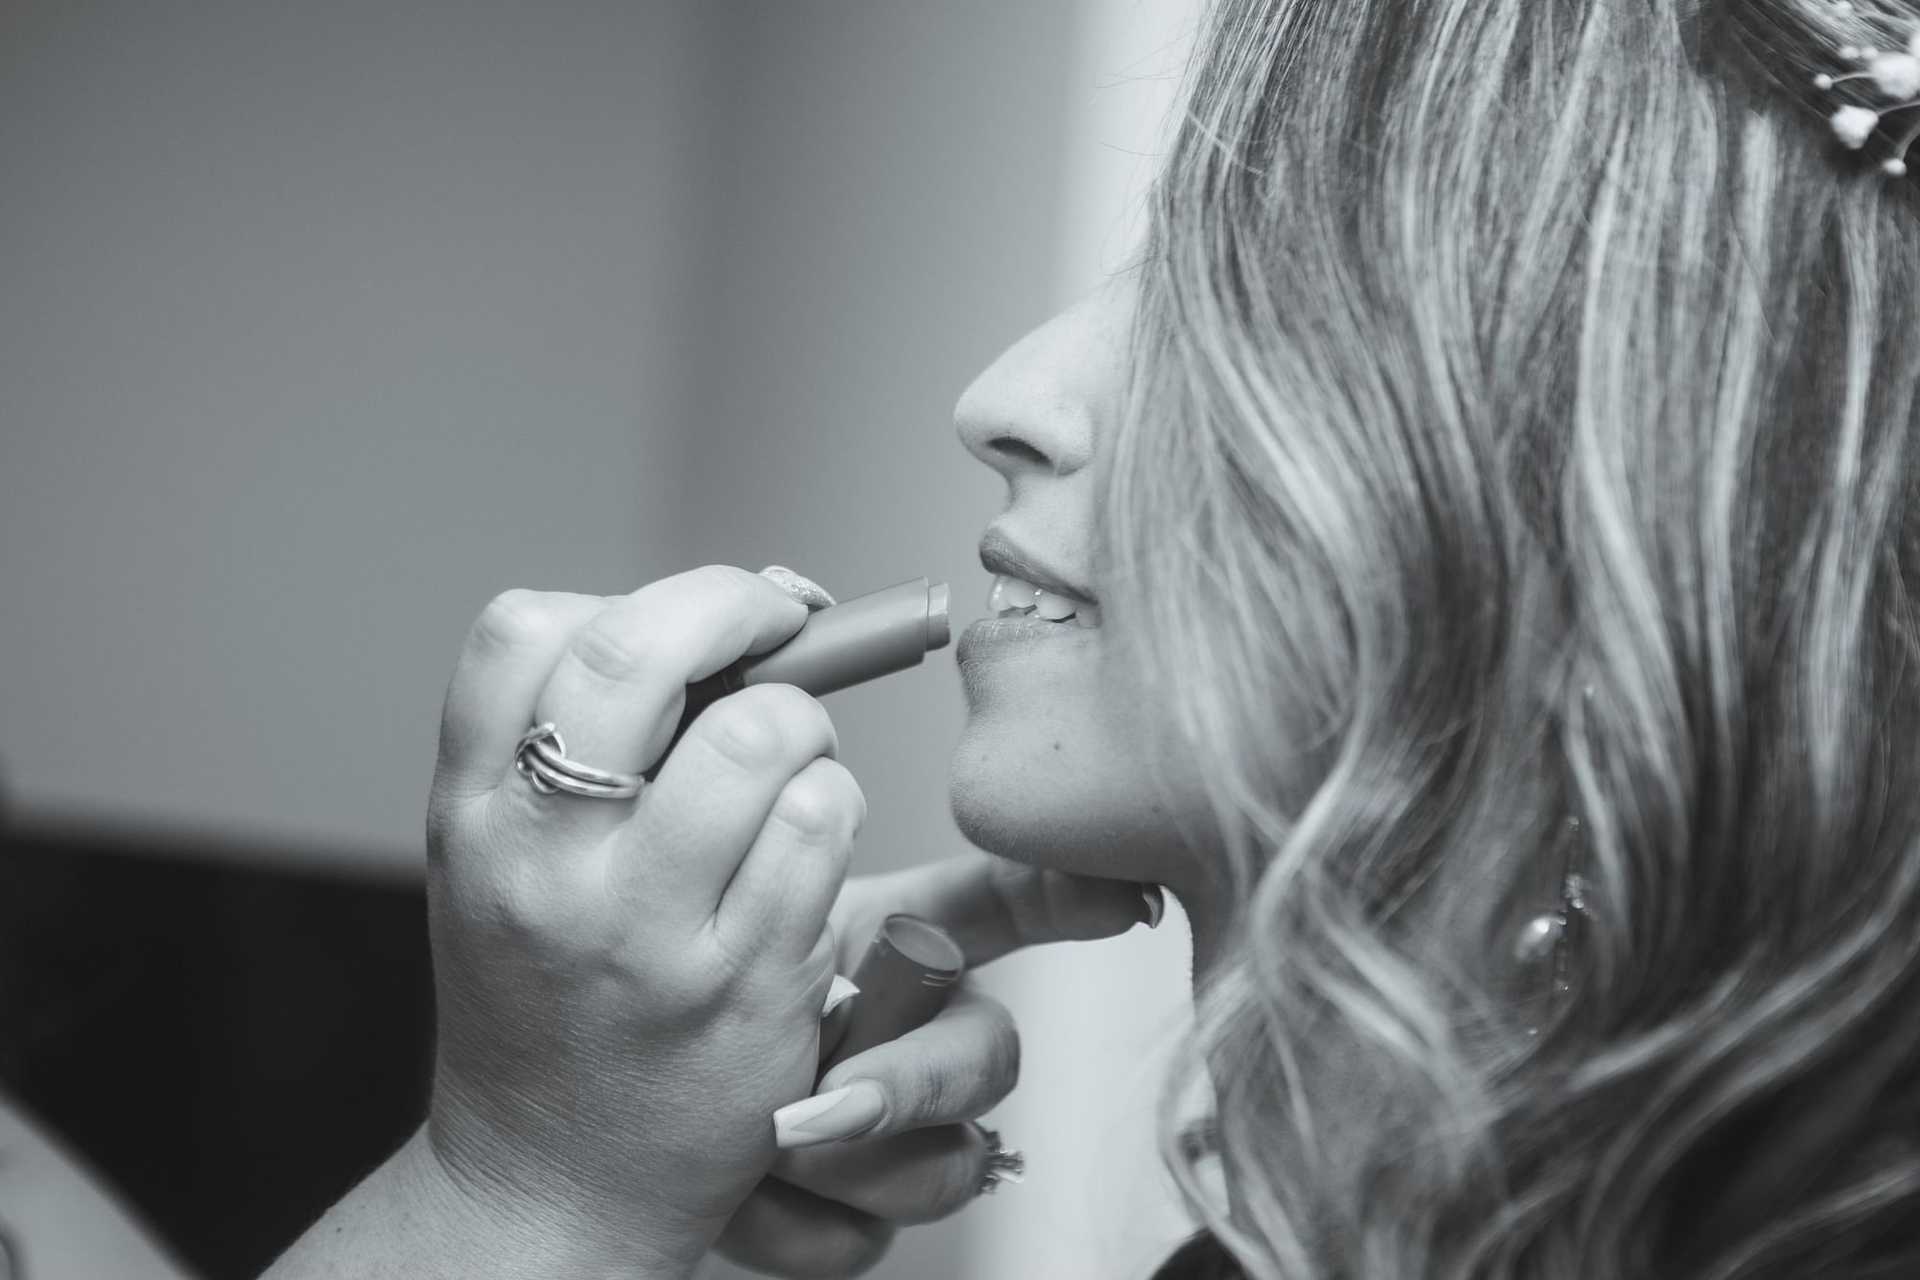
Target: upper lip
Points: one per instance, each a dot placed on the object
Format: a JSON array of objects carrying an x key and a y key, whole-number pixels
[{"x": 1000, "y": 554}]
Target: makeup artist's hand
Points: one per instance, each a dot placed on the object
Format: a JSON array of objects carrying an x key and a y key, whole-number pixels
[
  {"x": 628, "y": 989},
  {"x": 831, "y": 1209}
]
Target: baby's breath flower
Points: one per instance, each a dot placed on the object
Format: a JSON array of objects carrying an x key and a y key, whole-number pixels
[
  {"x": 1896, "y": 74},
  {"x": 1852, "y": 125}
]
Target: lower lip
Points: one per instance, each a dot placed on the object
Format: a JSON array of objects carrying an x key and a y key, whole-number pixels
[{"x": 990, "y": 635}]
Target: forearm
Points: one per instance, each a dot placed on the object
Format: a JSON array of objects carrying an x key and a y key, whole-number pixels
[{"x": 410, "y": 1219}]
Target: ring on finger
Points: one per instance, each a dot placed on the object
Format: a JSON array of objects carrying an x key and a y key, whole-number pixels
[
  {"x": 1002, "y": 1165},
  {"x": 541, "y": 757}
]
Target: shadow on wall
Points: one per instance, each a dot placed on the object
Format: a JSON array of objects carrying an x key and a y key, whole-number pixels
[{"x": 232, "y": 1047}]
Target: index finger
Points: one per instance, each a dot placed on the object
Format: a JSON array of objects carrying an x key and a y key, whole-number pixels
[{"x": 992, "y": 906}]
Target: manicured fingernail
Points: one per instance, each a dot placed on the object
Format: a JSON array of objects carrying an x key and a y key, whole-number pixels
[
  {"x": 849, "y": 1110},
  {"x": 839, "y": 993},
  {"x": 1156, "y": 900},
  {"x": 804, "y": 589}
]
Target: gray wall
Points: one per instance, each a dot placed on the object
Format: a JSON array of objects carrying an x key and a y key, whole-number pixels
[
  {"x": 883, "y": 218},
  {"x": 321, "y": 324}
]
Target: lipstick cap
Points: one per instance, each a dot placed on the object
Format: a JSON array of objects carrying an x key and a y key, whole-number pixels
[{"x": 906, "y": 976}]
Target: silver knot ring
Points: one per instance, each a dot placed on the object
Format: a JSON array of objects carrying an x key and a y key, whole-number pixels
[
  {"x": 542, "y": 760},
  {"x": 1002, "y": 1165}
]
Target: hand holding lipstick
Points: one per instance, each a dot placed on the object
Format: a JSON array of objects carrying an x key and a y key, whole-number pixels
[
  {"x": 627, "y": 986},
  {"x": 884, "y": 1141}
]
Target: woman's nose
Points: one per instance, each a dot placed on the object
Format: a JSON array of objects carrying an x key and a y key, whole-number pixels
[{"x": 1039, "y": 408}]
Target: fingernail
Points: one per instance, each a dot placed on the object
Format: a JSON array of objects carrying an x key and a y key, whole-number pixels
[
  {"x": 1156, "y": 900},
  {"x": 801, "y": 588},
  {"x": 849, "y": 1110},
  {"x": 839, "y": 993}
]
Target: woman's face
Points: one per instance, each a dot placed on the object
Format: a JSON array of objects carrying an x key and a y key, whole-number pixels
[{"x": 1050, "y": 768}]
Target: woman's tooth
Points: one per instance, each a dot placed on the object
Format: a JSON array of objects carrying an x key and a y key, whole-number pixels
[
  {"x": 1010, "y": 593},
  {"x": 1054, "y": 608}
]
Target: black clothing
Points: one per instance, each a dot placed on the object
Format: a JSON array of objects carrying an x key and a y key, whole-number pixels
[{"x": 1200, "y": 1257}]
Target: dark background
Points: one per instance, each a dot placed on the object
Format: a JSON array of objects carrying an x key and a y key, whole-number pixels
[{"x": 233, "y": 1047}]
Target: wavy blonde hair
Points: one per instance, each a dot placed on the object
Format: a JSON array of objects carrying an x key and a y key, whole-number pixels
[{"x": 1521, "y": 429}]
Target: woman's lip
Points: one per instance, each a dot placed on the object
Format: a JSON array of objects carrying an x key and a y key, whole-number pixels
[{"x": 992, "y": 634}]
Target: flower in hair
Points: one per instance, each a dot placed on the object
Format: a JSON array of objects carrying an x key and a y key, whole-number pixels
[
  {"x": 1852, "y": 125},
  {"x": 1857, "y": 30},
  {"x": 1895, "y": 74}
]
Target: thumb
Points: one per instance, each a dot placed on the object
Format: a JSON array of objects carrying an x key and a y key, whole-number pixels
[{"x": 992, "y": 906}]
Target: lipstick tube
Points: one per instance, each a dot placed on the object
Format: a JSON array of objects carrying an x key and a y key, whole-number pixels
[
  {"x": 905, "y": 977},
  {"x": 844, "y": 644}
]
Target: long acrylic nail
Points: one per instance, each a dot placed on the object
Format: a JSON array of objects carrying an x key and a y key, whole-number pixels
[
  {"x": 847, "y": 1111},
  {"x": 839, "y": 993}
]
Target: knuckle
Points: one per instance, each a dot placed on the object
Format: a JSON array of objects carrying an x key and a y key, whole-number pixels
[
  {"x": 681, "y": 998},
  {"x": 741, "y": 588},
  {"x": 959, "y": 1177},
  {"x": 943, "y": 1177},
  {"x": 810, "y": 810},
  {"x": 616, "y": 657},
  {"x": 868, "y": 1246},
  {"x": 815, "y": 720},
  {"x": 517, "y": 618},
  {"x": 767, "y": 725},
  {"x": 806, "y": 720},
  {"x": 929, "y": 1088},
  {"x": 740, "y": 964},
  {"x": 743, "y": 734},
  {"x": 821, "y": 964},
  {"x": 514, "y": 900},
  {"x": 732, "y": 965},
  {"x": 1003, "y": 1053},
  {"x": 822, "y": 803},
  {"x": 448, "y": 822},
  {"x": 850, "y": 1251},
  {"x": 831, "y": 1245},
  {"x": 750, "y": 588},
  {"x": 514, "y": 907}
]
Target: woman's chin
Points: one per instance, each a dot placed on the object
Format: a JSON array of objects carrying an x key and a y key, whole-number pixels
[{"x": 1030, "y": 800}]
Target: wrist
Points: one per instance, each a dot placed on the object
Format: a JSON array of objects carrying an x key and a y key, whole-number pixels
[{"x": 536, "y": 1232}]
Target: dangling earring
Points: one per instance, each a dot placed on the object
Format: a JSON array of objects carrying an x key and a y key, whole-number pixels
[{"x": 1550, "y": 936}]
